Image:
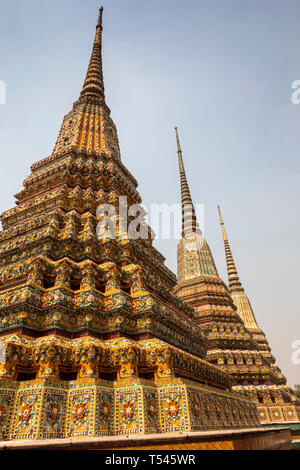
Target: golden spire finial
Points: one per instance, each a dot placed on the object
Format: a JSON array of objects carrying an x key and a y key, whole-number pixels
[
  {"x": 178, "y": 141},
  {"x": 100, "y": 18},
  {"x": 222, "y": 225},
  {"x": 93, "y": 85}
]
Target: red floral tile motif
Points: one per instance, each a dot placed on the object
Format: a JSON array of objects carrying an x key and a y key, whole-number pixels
[
  {"x": 173, "y": 409},
  {"x": 26, "y": 416},
  {"x": 80, "y": 413},
  {"x": 129, "y": 412},
  {"x": 54, "y": 416},
  {"x": 105, "y": 412}
]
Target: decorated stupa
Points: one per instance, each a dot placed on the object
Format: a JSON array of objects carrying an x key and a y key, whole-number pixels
[
  {"x": 236, "y": 344},
  {"x": 94, "y": 340}
]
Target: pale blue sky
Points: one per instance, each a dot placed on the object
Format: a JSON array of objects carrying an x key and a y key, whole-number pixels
[{"x": 221, "y": 70}]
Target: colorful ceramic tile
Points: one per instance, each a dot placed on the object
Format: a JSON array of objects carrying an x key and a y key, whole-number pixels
[
  {"x": 151, "y": 410},
  {"x": 129, "y": 416},
  {"x": 6, "y": 410},
  {"x": 80, "y": 413},
  {"x": 173, "y": 409},
  {"x": 26, "y": 414},
  {"x": 53, "y": 418},
  {"x": 105, "y": 412}
]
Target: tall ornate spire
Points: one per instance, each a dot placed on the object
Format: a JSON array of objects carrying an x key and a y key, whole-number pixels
[
  {"x": 88, "y": 127},
  {"x": 233, "y": 277},
  {"x": 194, "y": 255},
  {"x": 236, "y": 289},
  {"x": 93, "y": 85},
  {"x": 189, "y": 220}
]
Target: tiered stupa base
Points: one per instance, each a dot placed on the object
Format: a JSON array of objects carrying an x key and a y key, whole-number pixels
[
  {"x": 52, "y": 408},
  {"x": 128, "y": 403}
]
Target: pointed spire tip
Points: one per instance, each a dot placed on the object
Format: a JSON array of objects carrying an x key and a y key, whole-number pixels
[
  {"x": 220, "y": 215},
  {"x": 177, "y": 139},
  {"x": 222, "y": 225},
  {"x": 93, "y": 84},
  {"x": 100, "y": 18}
]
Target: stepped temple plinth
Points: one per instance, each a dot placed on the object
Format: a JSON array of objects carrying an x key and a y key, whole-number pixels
[{"x": 94, "y": 342}]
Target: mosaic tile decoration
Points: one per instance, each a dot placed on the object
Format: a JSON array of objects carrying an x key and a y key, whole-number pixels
[
  {"x": 80, "y": 413},
  {"x": 105, "y": 406},
  {"x": 26, "y": 414},
  {"x": 48, "y": 409},
  {"x": 95, "y": 337},
  {"x": 129, "y": 412},
  {"x": 53, "y": 415}
]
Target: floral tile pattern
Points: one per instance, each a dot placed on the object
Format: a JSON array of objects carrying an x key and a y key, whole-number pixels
[
  {"x": 129, "y": 418},
  {"x": 26, "y": 414},
  {"x": 54, "y": 412},
  {"x": 151, "y": 410},
  {"x": 6, "y": 408},
  {"x": 53, "y": 408},
  {"x": 105, "y": 404},
  {"x": 81, "y": 408},
  {"x": 173, "y": 408}
]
